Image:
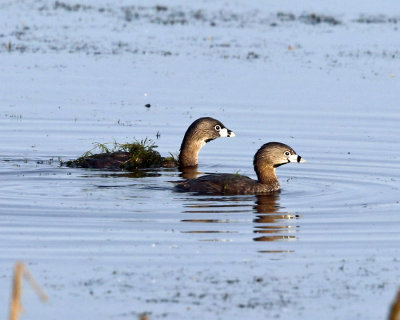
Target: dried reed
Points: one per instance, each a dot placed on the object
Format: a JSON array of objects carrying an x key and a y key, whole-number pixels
[
  {"x": 395, "y": 309},
  {"x": 21, "y": 271}
]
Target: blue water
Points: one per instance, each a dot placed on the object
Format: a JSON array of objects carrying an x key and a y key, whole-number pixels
[{"x": 326, "y": 246}]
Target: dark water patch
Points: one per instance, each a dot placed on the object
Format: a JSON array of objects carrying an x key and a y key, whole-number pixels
[
  {"x": 314, "y": 19},
  {"x": 134, "y": 175},
  {"x": 20, "y": 33},
  {"x": 377, "y": 19},
  {"x": 285, "y": 16},
  {"x": 70, "y": 7},
  {"x": 180, "y": 15},
  {"x": 18, "y": 161},
  {"x": 373, "y": 54},
  {"x": 307, "y": 18}
]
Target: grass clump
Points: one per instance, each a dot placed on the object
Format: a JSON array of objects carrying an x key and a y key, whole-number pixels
[
  {"x": 127, "y": 156},
  {"x": 170, "y": 162},
  {"x": 141, "y": 154}
]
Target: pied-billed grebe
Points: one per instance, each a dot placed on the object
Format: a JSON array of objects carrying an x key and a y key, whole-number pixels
[
  {"x": 270, "y": 156},
  {"x": 200, "y": 132},
  {"x": 197, "y": 135}
]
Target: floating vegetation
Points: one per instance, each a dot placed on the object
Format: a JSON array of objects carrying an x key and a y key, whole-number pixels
[
  {"x": 170, "y": 161},
  {"x": 125, "y": 156}
]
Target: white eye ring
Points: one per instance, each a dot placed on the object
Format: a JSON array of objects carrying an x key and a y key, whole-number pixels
[
  {"x": 217, "y": 127},
  {"x": 287, "y": 153}
]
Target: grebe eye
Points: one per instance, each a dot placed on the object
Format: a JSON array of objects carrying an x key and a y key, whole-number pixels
[
  {"x": 217, "y": 127},
  {"x": 287, "y": 153}
]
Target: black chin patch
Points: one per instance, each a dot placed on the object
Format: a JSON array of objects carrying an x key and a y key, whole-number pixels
[
  {"x": 298, "y": 158},
  {"x": 208, "y": 140}
]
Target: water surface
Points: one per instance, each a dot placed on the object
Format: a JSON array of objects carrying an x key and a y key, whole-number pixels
[{"x": 326, "y": 246}]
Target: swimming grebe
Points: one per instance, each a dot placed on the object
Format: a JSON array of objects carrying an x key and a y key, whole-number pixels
[
  {"x": 197, "y": 135},
  {"x": 200, "y": 132},
  {"x": 270, "y": 156}
]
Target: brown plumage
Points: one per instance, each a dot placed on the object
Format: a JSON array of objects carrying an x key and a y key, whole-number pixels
[
  {"x": 270, "y": 156},
  {"x": 200, "y": 132}
]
